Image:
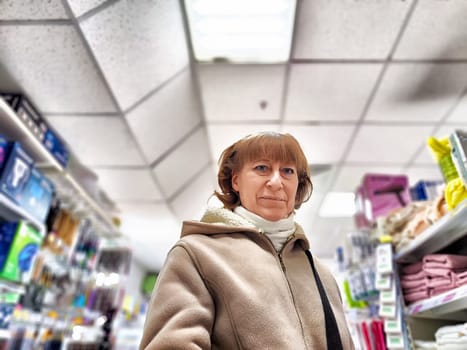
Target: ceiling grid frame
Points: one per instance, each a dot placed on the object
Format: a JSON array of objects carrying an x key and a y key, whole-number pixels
[
  {"x": 77, "y": 27},
  {"x": 373, "y": 92}
]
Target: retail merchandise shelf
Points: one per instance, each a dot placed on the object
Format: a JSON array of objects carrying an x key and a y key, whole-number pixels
[
  {"x": 13, "y": 128},
  {"x": 12, "y": 212},
  {"x": 442, "y": 233},
  {"x": 451, "y": 305},
  {"x": 7, "y": 286}
]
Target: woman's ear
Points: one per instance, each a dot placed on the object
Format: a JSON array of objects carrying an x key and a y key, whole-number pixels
[{"x": 235, "y": 182}]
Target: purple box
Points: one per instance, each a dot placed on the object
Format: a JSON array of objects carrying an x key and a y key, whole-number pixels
[{"x": 384, "y": 193}]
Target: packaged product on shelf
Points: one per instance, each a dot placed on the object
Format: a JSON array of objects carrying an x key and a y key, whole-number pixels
[
  {"x": 37, "y": 195},
  {"x": 4, "y": 146},
  {"x": 7, "y": 233},
  {"x": 384, "y": 193},
  {"x": 28, "y": 114},
  {"x": 425, "y": 190},
  {"x": 16, "y": 172},
  {"x": 56, "y": 146},
  {"x": 25, "y": 245},
  {"x": 458, "y": 142}
]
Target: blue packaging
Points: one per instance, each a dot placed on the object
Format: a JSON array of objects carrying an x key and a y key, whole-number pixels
[
  {"x": 16, "y": 172},
  {"x": 56, "y": 147},
  {"x": 7, "y": 233},
  {"x": 37, "y": 195},
  {"x": 4, "y": 147},
  {"x": 426, "y": 190}
]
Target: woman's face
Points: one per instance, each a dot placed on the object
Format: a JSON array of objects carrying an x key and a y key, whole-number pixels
[{"x": 267, "y": 188}]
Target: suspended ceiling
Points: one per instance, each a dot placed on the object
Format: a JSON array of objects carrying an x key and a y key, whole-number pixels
[{"x": 366, "y": 83}]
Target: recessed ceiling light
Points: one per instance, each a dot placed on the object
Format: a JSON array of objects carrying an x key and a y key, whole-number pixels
[{"x": 241, "y": 31}]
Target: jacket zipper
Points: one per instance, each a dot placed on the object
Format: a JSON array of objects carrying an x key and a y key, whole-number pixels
[{"x": 282, "y": 264}]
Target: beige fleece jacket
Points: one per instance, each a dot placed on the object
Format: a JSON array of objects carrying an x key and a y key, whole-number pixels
[{"x": 223, "y": 286}]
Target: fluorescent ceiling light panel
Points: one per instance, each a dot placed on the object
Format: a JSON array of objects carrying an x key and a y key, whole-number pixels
[
  {"x": 338, "y": 204},
  {"x": 241, "y": 31}
]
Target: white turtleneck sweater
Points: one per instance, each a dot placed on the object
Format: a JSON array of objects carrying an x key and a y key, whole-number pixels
[{"x": 276, "y": 231}]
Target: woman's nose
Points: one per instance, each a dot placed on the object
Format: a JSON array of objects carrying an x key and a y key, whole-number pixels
[{"x": 275, "y": 180}]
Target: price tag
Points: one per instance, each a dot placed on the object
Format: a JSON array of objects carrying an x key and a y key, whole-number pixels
[
  {"x": 395, "y": 341},
  {"x": 393, "y": 326},
  {"x": 388, "y": 296}
]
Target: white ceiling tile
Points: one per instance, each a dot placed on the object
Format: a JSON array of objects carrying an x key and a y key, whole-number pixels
[
  {"x": 350, "y": 176},
  {"x": 460, "y": 112},
  {"x": 222, "y": 136},
  {"x": 54, "y": 69},
  {"x": 241, "y": 92},
  {"x": 425, "y": 157},
  {"x": 193, "y": 201},
  {"x": 152, "y": 229},
  {"x": 387, "y": 144},
  {"x": 429, "y": 173},
  {"x": 417, "y": 92},
  {"x": 101, "y": 141},
  {"x": 443, "y": 38},
  {"x": 128, "y": 184},
  {"x": 329, "y": 91},
  {"x": 322, "y": 144},
  {"x": 138, "y": 44},
  {"x": 27, "y": 9},
  {"x": 183, "y": 163},
  {"x": 79, "y": 7},
  {"x": 348, "y": 29},
  {"x": 167, "y": 116}
]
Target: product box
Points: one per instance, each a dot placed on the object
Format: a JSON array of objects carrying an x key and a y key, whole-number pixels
[
  {"x": 37, "y": 195},
  {"x": 56, "y": 147},
  {"x": 28, "y": 114},
  {"x": 16, "y": 172},
  {"x": 426, "y": 190},
  {"x": 458, "y": 142},
  {"x": 7, "y": 233},
  {"x": 26, "y": 243},
  {"x": 383, "y": 193},
  {"x": 4, "y": 149},
  {"x": 360, "y": 219}
]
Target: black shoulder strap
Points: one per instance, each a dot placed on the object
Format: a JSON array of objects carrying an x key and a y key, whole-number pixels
[{"x": 332, "y": 331}]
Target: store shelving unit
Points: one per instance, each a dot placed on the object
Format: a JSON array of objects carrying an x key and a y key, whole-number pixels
[
  {"x": 14, "y": 128},
  {"x": 441, "y": 234},
  {"x": 9, "y": 210},
  {"x": 451, "y": 305}
]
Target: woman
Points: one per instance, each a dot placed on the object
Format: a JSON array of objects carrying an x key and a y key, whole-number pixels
[{"x": 240, "y": 278}]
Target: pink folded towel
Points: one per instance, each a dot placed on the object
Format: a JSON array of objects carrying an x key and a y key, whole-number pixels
[
  {"x": 461, "y": 278},
  {"x": 415, "y": 289},
  {"x": 440, "y": 289},
  {"x": 414, "y": 276},
  {"x": 442, "y": 281},
  {"x": 412, "y": 297},
  {"x": 414, "y": 284},
  {"x": 412, "y": 268},
  {"x": 445, "y": 260},
  {"x": 441, "y": 271}
]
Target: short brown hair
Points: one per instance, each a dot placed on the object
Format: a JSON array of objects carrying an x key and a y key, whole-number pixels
[{"x": 272, "y": 145}]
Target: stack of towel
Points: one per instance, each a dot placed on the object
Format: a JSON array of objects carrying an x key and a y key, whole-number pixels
[
  {"x": 452, "y": 337},
  {"x": 435, "y": 274}
]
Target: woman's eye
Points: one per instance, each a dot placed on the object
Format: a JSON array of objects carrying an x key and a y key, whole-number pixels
[
  {"x": 261, "y": 168},
  {"x": 289, "y": 171}
]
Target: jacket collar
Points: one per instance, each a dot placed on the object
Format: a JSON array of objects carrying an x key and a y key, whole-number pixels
[{"x": 222, "y": 220}]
